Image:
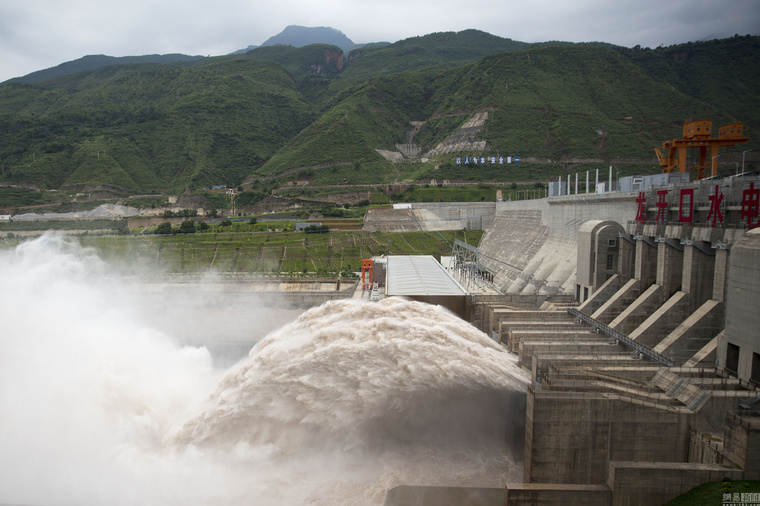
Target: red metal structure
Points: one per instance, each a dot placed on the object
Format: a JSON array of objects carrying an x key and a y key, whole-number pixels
[
  {"x": 696, "y": 134},
  {"x": 366, "y": 267}
]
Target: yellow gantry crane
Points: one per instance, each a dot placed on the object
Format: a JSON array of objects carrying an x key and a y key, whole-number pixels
[{"x": 696, "y": 135}]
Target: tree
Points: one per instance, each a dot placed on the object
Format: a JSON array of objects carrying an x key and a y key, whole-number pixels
[
  {"x": 121, "y": 227},
  {"x": 187, "y": 227},
  {"x": 164, "y": 228},
  {"x": 316, "y": 229}
]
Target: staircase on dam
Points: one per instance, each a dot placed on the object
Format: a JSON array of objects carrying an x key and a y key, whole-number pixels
[{"x": 593, "y": 407}]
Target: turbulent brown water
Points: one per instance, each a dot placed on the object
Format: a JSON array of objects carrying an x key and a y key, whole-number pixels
[{"x": 352, "y": 398}]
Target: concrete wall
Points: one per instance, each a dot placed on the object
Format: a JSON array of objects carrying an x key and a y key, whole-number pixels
[
  {"x": 533, "y": 243},
  {"x": 601, "y": 295},
  {"x": 646, "y": 261},
  {"x": 391, "y": 220},
  {"x": 571, "y": 436},
  {"x": 743, "y": 441},
  {"x": 464, "y": 215},
  {"x": 698, "y": 273},
  {"x": 669, "y": 267},
  {"x": 627, "y": 257},
  {"x": 550, "y": 494},
  {"x": 407, "y": 495},
  {"x": 743, "y": 307},
  {"x": 478, "y": 306},
  {"x": 514, "y": 239},
  {"x": 431, "y": 217},
  {"x": 455, "y": 304}
]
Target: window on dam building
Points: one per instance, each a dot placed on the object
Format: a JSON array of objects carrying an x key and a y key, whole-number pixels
[
  {"x": 732, "y": 358},
  {"x": 755, "y": 367}
]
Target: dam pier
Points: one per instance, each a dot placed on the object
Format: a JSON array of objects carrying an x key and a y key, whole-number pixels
[{"x": 636, "y": 315}]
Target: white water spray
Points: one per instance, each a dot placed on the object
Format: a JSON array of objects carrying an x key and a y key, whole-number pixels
[{"x": 97, "y": 407}]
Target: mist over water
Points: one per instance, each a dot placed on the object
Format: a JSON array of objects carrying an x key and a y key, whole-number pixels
[{"x": 98, "y": 406}]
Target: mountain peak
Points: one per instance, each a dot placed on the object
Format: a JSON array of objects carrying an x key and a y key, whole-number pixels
[{"x": 299, "y": 36}]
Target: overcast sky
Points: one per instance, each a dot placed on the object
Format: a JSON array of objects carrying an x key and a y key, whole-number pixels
[{"x": 37, "y": 34}]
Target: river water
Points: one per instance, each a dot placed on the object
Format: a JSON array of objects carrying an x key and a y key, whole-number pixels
[{"x": 99, "y": 405}]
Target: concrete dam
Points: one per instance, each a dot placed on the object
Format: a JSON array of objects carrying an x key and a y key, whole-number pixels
[
  {"x": 530, "y": 245},
  {"x": 636, "y": 316},
  {"x": 618, "y": 365}
]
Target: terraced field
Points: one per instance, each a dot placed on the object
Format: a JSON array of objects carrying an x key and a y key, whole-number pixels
[{"x": 272, "y": 253}]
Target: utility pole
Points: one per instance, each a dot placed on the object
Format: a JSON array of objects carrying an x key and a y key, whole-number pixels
[{"x": 743, "y": 159}]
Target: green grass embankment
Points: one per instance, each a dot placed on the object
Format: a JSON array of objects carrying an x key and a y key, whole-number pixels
[{"x": 718, "y": 493}]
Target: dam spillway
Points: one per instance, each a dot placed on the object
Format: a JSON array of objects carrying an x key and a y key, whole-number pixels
[{"x": 102, "y": 405}]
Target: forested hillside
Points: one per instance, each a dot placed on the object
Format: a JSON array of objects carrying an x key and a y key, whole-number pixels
[{"x": 279, "y": 112}]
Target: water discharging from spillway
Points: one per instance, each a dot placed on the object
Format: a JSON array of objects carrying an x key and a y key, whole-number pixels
[{"x": 352, "y": 398}]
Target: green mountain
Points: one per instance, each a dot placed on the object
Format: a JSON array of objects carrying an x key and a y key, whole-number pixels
[
  {"x": 146, "y": 126},
  {"x": 723, "y": 72},
  {"x": 553, "y": 102},
  {"x": 278, "y": 112},
  {"x": 94, "y": 62},
  {"x": 420, "y": 52}
]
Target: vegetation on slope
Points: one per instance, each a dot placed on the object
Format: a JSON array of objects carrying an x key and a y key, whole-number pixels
[
  {"x": 555, "y": 102},
  {"x": 429, "y": 50},
  {"x": 572, "y": 101},
  {"x": 276, "y": 113},
  {"x": 722, "y": 72},
  {"x": 714, "y": 493},
  {"x": 96, "y": 61},
  {"x": 146, "y": 126}
]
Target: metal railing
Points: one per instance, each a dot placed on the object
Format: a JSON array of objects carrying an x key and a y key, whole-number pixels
[{"x": 615, "y": 335}]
